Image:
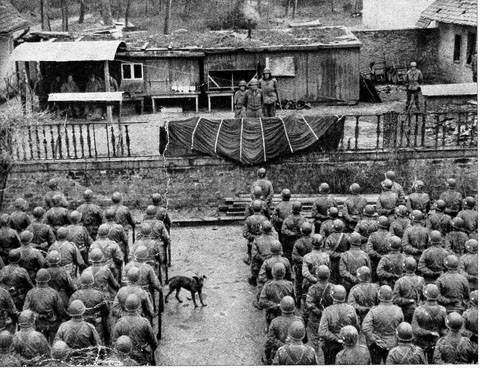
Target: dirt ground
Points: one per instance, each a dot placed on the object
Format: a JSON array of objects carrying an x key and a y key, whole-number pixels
[{"x": 229, "y": 331}]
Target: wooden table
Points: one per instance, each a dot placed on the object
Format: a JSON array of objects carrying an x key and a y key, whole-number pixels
[
  {"x": 219, "y": 94},
  {"x": 176, "y": 95}
]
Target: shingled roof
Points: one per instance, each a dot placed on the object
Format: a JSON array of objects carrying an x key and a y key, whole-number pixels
[
  {"x": 10, "y": 18},
  {"x": 462, "y": 12}
]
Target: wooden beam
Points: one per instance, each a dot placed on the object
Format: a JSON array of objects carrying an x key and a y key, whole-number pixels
[{"x": 106, "y": 71}]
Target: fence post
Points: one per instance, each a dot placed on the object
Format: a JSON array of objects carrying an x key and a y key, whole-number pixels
[{"x": 357, "y": 131}]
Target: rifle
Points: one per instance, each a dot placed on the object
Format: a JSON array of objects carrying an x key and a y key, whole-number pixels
[
  {"x": 160, "y": 311},
  {"x": 167, "y": 246}
]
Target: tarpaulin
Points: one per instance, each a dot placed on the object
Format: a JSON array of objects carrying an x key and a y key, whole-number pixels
[{"x": 252, "y": 141}]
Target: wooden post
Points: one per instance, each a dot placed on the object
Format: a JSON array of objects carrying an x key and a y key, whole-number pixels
[
  {"x": 106, "y": 71},
  {"x": 168, "y": 10},
  {"x": 42, "y": 15}
]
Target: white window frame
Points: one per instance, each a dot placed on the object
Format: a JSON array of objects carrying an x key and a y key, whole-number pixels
[{"x": 131, "y": 71}]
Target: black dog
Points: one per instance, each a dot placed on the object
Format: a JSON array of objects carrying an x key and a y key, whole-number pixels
[{"x": 194, "y": 285}]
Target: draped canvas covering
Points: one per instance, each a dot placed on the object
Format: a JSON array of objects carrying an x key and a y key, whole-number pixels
[{"x": 253, "y": 141}]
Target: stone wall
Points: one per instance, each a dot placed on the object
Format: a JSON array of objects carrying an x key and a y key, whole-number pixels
[
  {"x": 400, "y": 47},
  {"x": 198, "y": 185}
]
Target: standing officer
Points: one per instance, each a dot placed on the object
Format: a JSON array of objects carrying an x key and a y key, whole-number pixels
[
  {"x": 413, "y": 80},
  {"x": 405, "y": 352},
  {"x": 266, "y": 185},
  {"x": 92, "y": 214},
  {"x": 291, "y": 229},
  {"x": 452, "y": 198},
  {"x": 239, "y": 100},
  {"x": 353, "y": 207},
  {"x": 254, "y": 100},
  {"x": 281, "y": 212},
  {"x": 268, "y": 85},
  {"x": 321, "y": 205}
]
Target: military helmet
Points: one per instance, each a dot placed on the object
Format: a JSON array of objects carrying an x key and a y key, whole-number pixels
[
  {"x": 431, "y": 292},
  {"x": 435, "y": 237},
  {"x": 404, "y": 332},
  {"x": 387, "y": 184},
  {"x": 383, "y": 222},
  {"x": 14, "y": 255},
  {"x": 60, "y": 350},
  {"x": 457, "y": 223},
  {"x": 287, "y": 304},
  {"x": 95, "y": 255},
  {"x": 53, "y": 258},
  {"x": 417, "y": 216},
  {"x": 418, "y": 185},
  {"x": 440, "y": 205},
  {"x": 4, "y": 220},
  {"x": 323, "y": 272},
  {"x": 470, "y": 202},
  {"x": 132, "y": 303},
  {"x": 257, "y": 205},
  {"x": 296, "y": 207},
  {"x": 52, "y": 183},
  {"x": 278, "y": 270},
  {"x": 141, "y": 253},
  {"x": 75, "y": 217},
  {"x": 26, "y": 318},
  {"x": 390, "y": 175},
  {"x": 474, "y": 297},
  {"x": 116, "y": 197},
  {"x": 62, "y": 233},
  {"x": 339, "y": 293},
  {"x": 124, "y": 344},
  {"x": 38, "y": 212},
  {"x": 451, "y": 262},
  {"x": 26, "y": 237},
  {"x": 242, "y": 83},
  {"x": 395, "y": 242},
  {"x": 402, "y": 211},
  {"x": 151, "y": 210},
  {"x": 261, "y": 172},
  {"x": 364, "y": 273},
  {"x": 267, "y": 71},
  {"x": 43, "y": 276},
  {"x": 369, "y": 210},
  {"x": 410, "y": 264},
  {"x": 324, "y": 188},
  {"x": 254, "y": 81},
  {"x": 385, "y": 293},
  {"x": 86, "y": 279},
  {"x": 6, "y": 339},
  {"x": 286, "y": 194},
  {"x": 110, "y": 214},
  {"x": 471, "y": 245},
  {"x": 296, "y": 330},
  {"x": 317, "y": 241},
  {"x": 257, "y": 192},
  {"x": 76, "y": 308},
  {"x": 355, "y": 239},
  {"x": 349, "y": 335},
  {"x": 103, "y": 230},
  {"x": 267, "y": 227},
  {"x": 145, "y": 229},
  {"x": 451, "y": 182},
  {"x": 333, "y": 212},
  {"x": 454, "y": 321},
  {"x": 338, "y": 225},
  {"x": 57, "y": 199},
  {"x": 133, "y": 274},
  {"x": 88, "y": 194},
  {"x": 156, "y": 198},
  {"x": 355, "y": 188},
  {"x": 276, "y": 247},
  {"x": 306, "y": 228},
  {"x": 20, "y": 204}
]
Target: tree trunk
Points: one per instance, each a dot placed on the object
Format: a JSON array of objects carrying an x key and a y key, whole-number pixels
[
  {"x": 127, "y": 11},
  {"x": 64, "y": 16},
  {"x": 47, "y": 15},
  {"x": 81, "y": 17},
  {"x": 106, "y": 12},
  {"x": 294, "y": 10},
  {"x": 168, "y": 10},
  {"x": 42, "y": 15}
]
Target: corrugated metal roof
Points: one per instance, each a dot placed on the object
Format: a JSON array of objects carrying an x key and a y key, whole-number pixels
[
  {"x": 86, "y": 96},
  {"x": 67, "y": 51},
  {"x": 10, "y": 18},
  {"x": 453, "y": 89},
  {"x": 450, "y": 11}
]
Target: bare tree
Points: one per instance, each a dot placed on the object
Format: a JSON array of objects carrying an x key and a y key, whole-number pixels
[
  {"x": 81, "y": 16},
  {"x": 168, "y": 11},
  {"x": 106, "y": 11},
  {"x": 127, "y": 11},
  {"x": 64, "y": 7}
]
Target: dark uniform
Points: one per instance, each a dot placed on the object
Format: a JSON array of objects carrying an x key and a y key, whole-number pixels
[
  {"x": 386, "y": 203},
  {"x": 112, "y": 253},
  {"x": 301, "y": 247},
  {"x": 43, "y": 236},
  {"x": 336, "y": 244},
  {"x": 253, "y": 229},
  {"x": 440, "y": 221},
  {"x": 261, "y": 251},
  {"x": 78, "y": 334},
  {"x": 31, "y": 259},
  {"x": 17, "y": 281},
  {"x": 350, "y": 262},
  {"x": 28, "y": 344},
  {"x": 118, "y": 234},
  {"x": 280, "y": 213},
  {"x": 419, "y": 201},
  {"x": 118, "y": 306},
  {"x": 61, "y": 281},
  {"x": 455, "y": 242},
  {"x": 431, "y": 263},
  {"x": 295, "y": 354},
  {"x": 239, "y": 104},
  {"x": 70, "y": 257},
  {"x": 390, "y": 268},
  {"x": 366, "y": 227},
  {"x": 353, "y": 355},
  {"x": 377, "y": 246},
  {"x": 468, "y": 266},
  {"x": 311, "y": 261},
  {"x": 19, "y": 221},
  {"x": 353, "y": 209},
  {"x": 318, "y": 298},
  {"x": 9, "y": 240},
  {"x": 271, "y": 295},
  {"x": 415, "y": 240},
  {"x": 408, "y": 293},
  {"x": 92, "y": 217},
  {"x": 104, "y": 280},
  {"x": 454, "y": 291},
  {"x": 253, "y": 103},
  {"x": 56, "y": 217},
  {"x": 320, "y": 207},
  {"x": 278, "y": 332},
  {"x": 453, "y": 201},
  {"x": 454, "y": 349},
  {"x": 399, "y": 225},
  {"x": 470, "y": 219},
  {"x": 8, "y": 311},
  {"x": 80, "y": 236},
  {"x": 363, "y": 297},
  {"x": 406, "y": 353},
  {"x": 123, "y": 216},
  {"x": 267, "y": 190},
  {"x": 291, "y": 232}
]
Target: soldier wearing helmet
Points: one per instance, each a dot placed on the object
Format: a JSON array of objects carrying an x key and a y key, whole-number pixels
[
  {"x": 57, "y": 216},
  {"x": 468, "y": 264},
  {"x": 327, "y": 227},
  {"x": 77, "y": 333},
  {"x": 252, "y": 228},
  {"x": 60, "y": 279},
  {"x": 453, "y": 348},
  {"x": 123, "y": 215},
  {"x": 335, "y": 244},
  {"x": 7, "y": 358},
  {"x": 278, "y": 329},
  {"x": 419, "y": 199},
  {"x": 302, "y": 246},
  {"x": 291, "y": 229},
  {"x": 97, "y": 311},
  {"x": 387, "y": 200},
  {"x": 273, "y": 291},
  {"x": 378, "y": 244},
  {"x": 8, "y": 237},
  {"x": 123, "y": 350},
  {"x": 453, "y": 286},
  {"x": 253, "y": 100},
  {"x": 78, "y": 234},
  {"x": 363, "y": 295},
  {"x": 311, "y": 261},
  {"x": 428, "y": 321},
  {"x": 8, "y": 311},
  {"x": 351, "y": 261},
  {"x": 406, "y": 352},
  {"x": 60, "y": 352},
  {"x": 295, "y": 352},
  {"x": 353, "y": 207},
  {"x": 268, "y": 85},
  {"x": 401, "y": 221},
  {"x": 319, "y": 297},
  {"x": 321, "y": 205},
  {"x": 452, "y": 198},
  {"x": 92, "y": 214},
  {"x": 281, "y": 212},
  {"x": 16, "y": 279},
  {"x": 432, "y": 261},
  {"x": 116, "y": 233},
  {"x": 70, "y": 257},
  {"x": 367, "y": 225},
  {"x": 53, "y": 192},
  {"x": 438, "y": 219},
  {"x": 19, "y": 220},
  {"x": 46, "y": 303},
  {"x": 334, "y": 317},
  {"x": 415, "y": 239},
  {"x": 379, "y": 325},
  {"x": 396, "y": 187},
  {"x": 160, "y": 236},
  {"x": 455, "y": 240},
  {"x": 390, "y": 266},
  {"x": 352, "y": 353},
  {"x": 239, "y": 100},
  {"x": 469, "y": 215},
  {"x": 31, "y": 258},
  {"x": 28, "y": 343},
  {"x": 266, "y": 187},
  {"x": 104, "y": 280},
  {"x": 257, "y": 194},
  {"x": 155, "y": 253},
  {"x": 43, "y": 236},
  {"x": 162, "y": 213},
  {"x": 470, "y": 317},
  {"x": 408, "y": 289},
  {"x": 139, "y": 330},
  {"x": 261, "y": 250}
]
